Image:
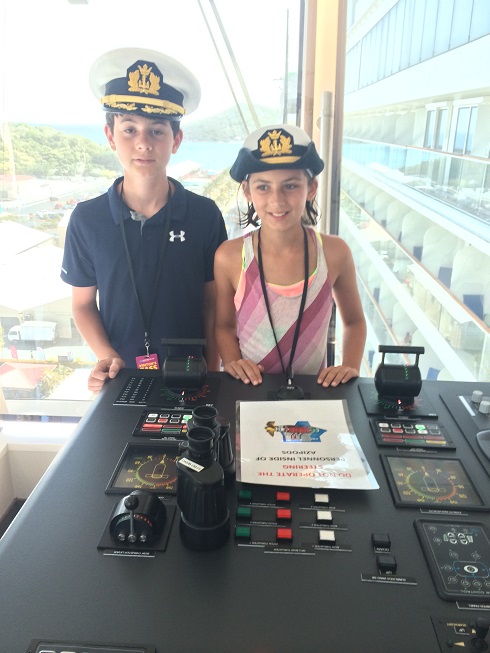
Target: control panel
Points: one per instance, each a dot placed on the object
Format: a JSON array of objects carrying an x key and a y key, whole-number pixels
[
  {"x": 458, "y": 555},
  {"x": 168, "y": 548}
]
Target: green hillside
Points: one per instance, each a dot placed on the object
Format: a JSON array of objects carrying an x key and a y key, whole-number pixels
[{"x": 47, "y": 152}]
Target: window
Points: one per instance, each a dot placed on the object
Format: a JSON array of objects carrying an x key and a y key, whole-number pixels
[
  {"x": 440, "y": 129},
  {"x": 465, "y": 129},
  {"x": 429, "y": 129},
  {"x": 53, "y": 152},
  {"x": 414, "y": 203},
  {"x": 460, "y": 29}
]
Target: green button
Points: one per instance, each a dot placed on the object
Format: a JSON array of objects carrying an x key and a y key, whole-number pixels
[
  {"x": 243, "y": 512},
  {"x": 245, "y": 495},
  {"x": 243, "y": 532}
]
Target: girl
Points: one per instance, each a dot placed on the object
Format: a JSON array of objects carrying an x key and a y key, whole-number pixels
[{"x": 276, "y": 285}]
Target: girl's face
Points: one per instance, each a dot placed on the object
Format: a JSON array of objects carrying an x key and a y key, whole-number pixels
[{"x": 279, "y": 196}]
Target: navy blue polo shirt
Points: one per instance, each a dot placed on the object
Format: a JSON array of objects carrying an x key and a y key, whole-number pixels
[{"x": 94, "y": 255}]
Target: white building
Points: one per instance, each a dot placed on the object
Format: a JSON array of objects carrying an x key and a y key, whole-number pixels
[{"x": 415, "y": 204}]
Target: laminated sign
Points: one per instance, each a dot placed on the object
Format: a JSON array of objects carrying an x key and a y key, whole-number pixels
[{"x": 300, "y": 443}]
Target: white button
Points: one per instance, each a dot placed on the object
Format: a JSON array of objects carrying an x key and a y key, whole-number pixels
[
  {"x": 324, "y": 516},
  {"x": 485, "y": 407},
  {"x": 322, "y": 498},
  {"x": 476, "y": 397},
  {"x": 326, "y": 537}
]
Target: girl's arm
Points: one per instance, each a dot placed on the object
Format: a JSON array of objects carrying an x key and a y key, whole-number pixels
[
  {"x": 346, "y": 294},
  {"x": 209, "y": 308},
  {"x": 227, "y": 265}
]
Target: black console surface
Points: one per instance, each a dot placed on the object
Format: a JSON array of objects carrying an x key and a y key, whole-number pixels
[{"x": 401, "y": 568}]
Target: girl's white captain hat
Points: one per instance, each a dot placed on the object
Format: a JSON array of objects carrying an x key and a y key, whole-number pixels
[
  {"x": 276, "y": 147},
  {"x": 144, "y": 82}
]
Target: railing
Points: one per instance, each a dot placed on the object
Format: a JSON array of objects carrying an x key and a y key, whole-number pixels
[
  {"x": 460, "y": 181},
  {"x": 468, "y": 337}
]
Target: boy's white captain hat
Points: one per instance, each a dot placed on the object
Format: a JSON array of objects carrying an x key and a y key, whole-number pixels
[
  {"x": 144, "y": 82},
  {"x": 276, "y": 147}
]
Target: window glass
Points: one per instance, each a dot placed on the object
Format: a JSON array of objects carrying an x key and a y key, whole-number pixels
[
  {"x": 54, "y": 153},
  {"x": 471, "y": 130},
  {"x": 407, "y": 33},
  {"x": 416, "y": 218},
  {"x": 417, "y": 33},
  {"x": 429, "y": 29},
  {"x": 460, "y": 30},
  {"x": 398, "y": 13},
  {"x": 461, "y": 134},
  {"x": 441, "y": 128},
  {"x": 429, "y": 129},
  {"x": 390, "y": 21},
  {"x": 444, "y": 21},
  {"x": 480, "y": 19}
]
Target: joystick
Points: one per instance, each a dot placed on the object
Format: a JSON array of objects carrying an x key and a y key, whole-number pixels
[
  {"x": 483, "y": 439},
  {"x": 131, "y": 503},
  {"x": 399, "y": 383},
  {"x": 184, "y": 365},
  {"x": 482, "y": 626},
  {"x": 138, "y": 518}
]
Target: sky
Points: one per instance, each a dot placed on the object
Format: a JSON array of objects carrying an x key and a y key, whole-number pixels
[{"x": 47, "y": 48}]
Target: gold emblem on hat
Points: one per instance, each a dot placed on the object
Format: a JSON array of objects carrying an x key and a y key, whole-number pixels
[
  {"x": 275, "y": 144},
  {"x": 143, "y": 81}
]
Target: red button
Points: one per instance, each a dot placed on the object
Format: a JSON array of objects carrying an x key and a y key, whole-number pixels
[
  {"x": 283, "y": 496},
  {"x": 284, "y": 534},
  {"x": 283, "y": 513}
]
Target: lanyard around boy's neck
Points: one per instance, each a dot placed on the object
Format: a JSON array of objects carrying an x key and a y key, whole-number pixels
[
  {"x": 289, "y": 371},
  {"x": 147, "y": 318}
]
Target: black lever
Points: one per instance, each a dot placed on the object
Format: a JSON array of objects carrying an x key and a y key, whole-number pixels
[
  {"x": 131, "y": 502},
  {"x": 482, "y": 626}
]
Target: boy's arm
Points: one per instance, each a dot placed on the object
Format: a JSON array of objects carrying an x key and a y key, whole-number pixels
[
  {"x": 88, "y": 321},
  {"x": 225, "y": 324}
]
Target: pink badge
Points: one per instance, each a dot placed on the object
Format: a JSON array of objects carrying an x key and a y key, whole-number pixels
[{"x": 149, "y": 362}]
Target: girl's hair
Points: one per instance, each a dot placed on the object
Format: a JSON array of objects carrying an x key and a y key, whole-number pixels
[
  {"x": 249, "y": 217},
  {"x": 109, "y": 118}
]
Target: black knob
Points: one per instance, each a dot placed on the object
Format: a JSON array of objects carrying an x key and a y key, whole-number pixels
[
  {"x": 482, "y": 626},
  {"x": 131, "y": 502}
]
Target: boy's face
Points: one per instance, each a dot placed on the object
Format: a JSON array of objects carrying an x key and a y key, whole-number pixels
[{"x": 143, "y": 145}]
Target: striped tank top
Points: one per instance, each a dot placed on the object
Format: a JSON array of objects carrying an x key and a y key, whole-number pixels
[{"x": 255, "y": 336}]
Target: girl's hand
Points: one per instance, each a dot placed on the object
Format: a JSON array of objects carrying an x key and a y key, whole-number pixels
[
  {"x": 245, "y": 370},
  {"x": 334, "y": 375}
]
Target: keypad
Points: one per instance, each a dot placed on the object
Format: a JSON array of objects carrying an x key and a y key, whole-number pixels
[
  {"x": 163, "y": 424},
  {"x": 410, "y": 433}
]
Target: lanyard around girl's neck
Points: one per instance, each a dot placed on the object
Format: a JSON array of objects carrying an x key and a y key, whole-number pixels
[
  {"x": 289, "y": 372},
  {"x": 147, "y": 318}
]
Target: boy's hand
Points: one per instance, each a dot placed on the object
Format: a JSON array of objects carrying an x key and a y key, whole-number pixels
[
  {"x": 107, "y": 368},
  {"x": 245, "y": 370},
  {"x": 334, "y": 375}
]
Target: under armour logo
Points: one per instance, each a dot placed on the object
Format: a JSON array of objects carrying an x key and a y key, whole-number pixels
[{"x": 173, "y": 236}]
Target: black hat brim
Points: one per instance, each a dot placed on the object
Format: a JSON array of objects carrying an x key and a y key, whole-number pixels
[{"x": 246, "y": 163}]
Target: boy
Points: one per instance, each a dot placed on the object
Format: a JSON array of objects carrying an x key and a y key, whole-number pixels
[{"x": 140, "y": 257}]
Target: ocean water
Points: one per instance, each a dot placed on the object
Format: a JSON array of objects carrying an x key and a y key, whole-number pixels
[{"x": 210, "y": 155}]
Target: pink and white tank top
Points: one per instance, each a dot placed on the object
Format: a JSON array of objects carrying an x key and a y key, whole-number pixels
[{"x": 255, "y": 335}]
